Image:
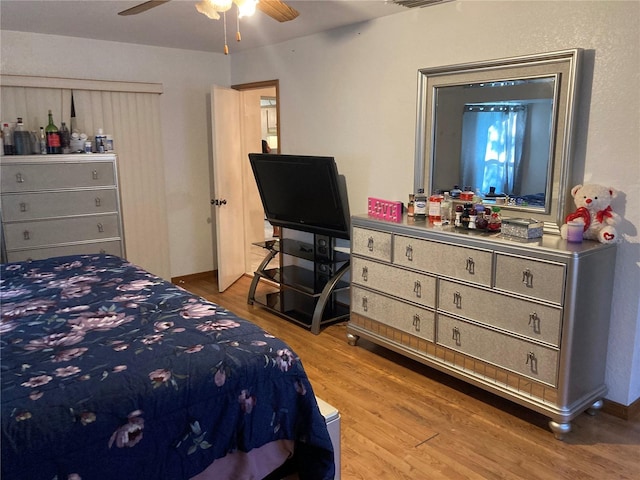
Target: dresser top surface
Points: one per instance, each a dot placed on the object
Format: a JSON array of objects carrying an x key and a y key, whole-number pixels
[
  {"x": 45, "y": 159},
  {"x": 480, "y": 239}
]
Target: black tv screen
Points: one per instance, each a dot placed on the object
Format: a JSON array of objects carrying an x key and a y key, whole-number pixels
[{"x": 302, "y": 192}]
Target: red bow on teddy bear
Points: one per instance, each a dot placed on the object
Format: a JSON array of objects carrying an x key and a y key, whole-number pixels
[{"x": 583, "y": 213}]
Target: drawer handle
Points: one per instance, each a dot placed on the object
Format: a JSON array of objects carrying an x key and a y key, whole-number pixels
[
  {"x": 457, "y": 299},
  {"x": 534, "y": 321},
  {"x": 527, "y": 278},
  {"x": 98, "y": 201},
  {"x": 100, "y": 228},
  {"x": 19, "y": 178},
  {"x": 456, "y": 336},
  {"x": 26, "y": 235},
  {"x": 103, "y": 251},
  {"x": 365, "y": 304},
  {"x": 416, "y": 322},
  {"x": 409, "y": 253},
  {"x": 532, "y": 361},
  {"x": 94, "y": 175},
  {"x": 365, "y": 273},
  {"x": 370, "y": 244},
  {"x": 23, "y": 207},
  {"x": 417, "y": 288},
  {"x": 471, "y": 266}
]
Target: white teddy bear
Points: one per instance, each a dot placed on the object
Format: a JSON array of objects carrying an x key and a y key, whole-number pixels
[{"x": 594, "y": 211}]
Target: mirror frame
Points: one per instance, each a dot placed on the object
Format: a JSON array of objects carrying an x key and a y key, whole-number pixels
[{"x": 563, "y": 65}]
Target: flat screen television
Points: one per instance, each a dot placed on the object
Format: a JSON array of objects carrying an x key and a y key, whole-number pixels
[{"x": 302, "y": 192}]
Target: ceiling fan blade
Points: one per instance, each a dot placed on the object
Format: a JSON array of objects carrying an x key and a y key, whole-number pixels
[
  {"x": 277, "y": 10},
  {"x": 142, "y": 7}
]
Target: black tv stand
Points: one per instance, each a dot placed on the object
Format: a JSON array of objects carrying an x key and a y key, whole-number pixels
[{"x": 307, "y": 286}]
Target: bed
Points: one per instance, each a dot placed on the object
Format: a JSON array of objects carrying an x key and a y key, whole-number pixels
[{"x": 110, "y": 372}]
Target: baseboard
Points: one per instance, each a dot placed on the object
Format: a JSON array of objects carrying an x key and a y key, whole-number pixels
[
  {"x": 626, "y": 412},
  {"x": 193, "y": 276}
]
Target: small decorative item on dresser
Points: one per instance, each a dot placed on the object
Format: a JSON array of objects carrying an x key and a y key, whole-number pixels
[{"x": 522, "y": 227}]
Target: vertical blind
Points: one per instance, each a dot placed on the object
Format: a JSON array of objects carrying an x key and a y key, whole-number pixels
[{"x": 133, "y": 119}]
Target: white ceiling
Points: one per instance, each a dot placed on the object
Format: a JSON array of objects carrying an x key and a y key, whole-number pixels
[{"x": 177, "y": 24}]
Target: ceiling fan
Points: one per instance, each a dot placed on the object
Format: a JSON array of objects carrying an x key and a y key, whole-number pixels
[{"x": 276, "y": 9}]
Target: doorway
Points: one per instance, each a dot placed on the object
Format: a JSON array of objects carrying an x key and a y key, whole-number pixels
[{"x": 259, "y": 99}]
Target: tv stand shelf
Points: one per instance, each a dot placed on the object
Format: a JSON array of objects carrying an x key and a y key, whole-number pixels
[{"x": 307, "y": 286}]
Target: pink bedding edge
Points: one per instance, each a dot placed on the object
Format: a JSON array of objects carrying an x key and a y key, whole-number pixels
[{"x": 253, "y": 465}]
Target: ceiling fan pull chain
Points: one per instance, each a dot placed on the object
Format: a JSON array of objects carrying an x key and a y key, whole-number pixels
[
  {"x": 238, "y": 36},
  {"x": 224, "y": 20}
]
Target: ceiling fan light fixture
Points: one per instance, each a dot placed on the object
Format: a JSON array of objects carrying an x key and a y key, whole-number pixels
[
  {"x": 246, "y": 8},
  {"x": 221, "y": 5},
  {"x": 206, "y": 8}
]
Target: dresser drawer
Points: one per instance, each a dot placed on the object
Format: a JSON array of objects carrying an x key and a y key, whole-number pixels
[
  {"x": 29, "y": 206},
  {"x": 534, "y": 278},
  {"x": 394, "y": 313},
  {"x": 113, "y": 247},
  {"x": 520, "y": 356},
  {"x": 415, "y": 287},
  {"x": 529, "y": 319},
  {"x": 51, "y": 176},
  {"x": 371, "y": 243},
  {"x": 43, "y": 233},
  {"x": 464, "y": 263}
]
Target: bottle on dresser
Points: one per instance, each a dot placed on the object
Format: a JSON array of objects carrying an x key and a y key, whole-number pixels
[
  {"x": 53, "y": 136},
  {"x": 435, "y": 208},
  {"x": 445, "y": 208},
  {"x": 100, "y": 141},
  {"x": 420, "y": 205},
  {"x": 21, "y": 139},
  {"x": 43, "y": 142},
  {"x": 65, "y": 138},
  {"x": 7, "y": 139}
]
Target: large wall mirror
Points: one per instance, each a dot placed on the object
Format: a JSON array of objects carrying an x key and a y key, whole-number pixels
[{"x": 504, "y": 129}]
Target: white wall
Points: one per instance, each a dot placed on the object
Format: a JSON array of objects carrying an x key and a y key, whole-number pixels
[
  {"x": 187, "y": 77},
  {"x": 351, "y": 93}
]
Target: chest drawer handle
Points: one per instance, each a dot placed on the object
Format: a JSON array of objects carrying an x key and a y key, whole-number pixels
[
  {"x": 100, "y": 228},
  {"x": 365, "y": 274},
  {"x": 365, "y": 304},
  {"x": 26, "y": 235},
  {"x": 23, "y": 207},
  {"x": 534, "y": 321},
  {"x": 19, "y": 178},
  {"x": 416, "y": 322},
  {"x": 417, "y": 288},
  {"x": 456, "y": 336},
  {"x": 409, "y": 253},
  {"x": 527, "y": 278},
  {"x": 98, "y": 201},
  {"x": 370, "y": 244},
  {"x": 532, "y": 361},
  {"x": 457, "y": 299},
  {"x": 471, "y": 266},
  {"x": 94, "y": 175},
  {"x": 103, "y": 251}
]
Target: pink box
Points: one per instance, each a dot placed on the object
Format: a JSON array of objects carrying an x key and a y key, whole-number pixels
[{"x": 385, "y": 209}]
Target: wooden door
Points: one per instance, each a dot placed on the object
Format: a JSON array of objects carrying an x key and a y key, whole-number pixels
[{"x": 227, "y": 200}]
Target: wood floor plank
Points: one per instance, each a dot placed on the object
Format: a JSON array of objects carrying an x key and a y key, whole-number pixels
[{"x": 402, "y": 420}]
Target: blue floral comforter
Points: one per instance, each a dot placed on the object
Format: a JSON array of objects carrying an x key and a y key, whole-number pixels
[{"x": 109, "y": 372}]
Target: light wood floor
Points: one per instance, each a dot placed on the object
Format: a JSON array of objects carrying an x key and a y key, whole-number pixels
[{"x": 402, "y": 420}]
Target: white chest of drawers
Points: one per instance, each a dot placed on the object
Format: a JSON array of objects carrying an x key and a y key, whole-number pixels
[
  {"x": 525, "y": 319},
  {"x": 60, "y": 205}
]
